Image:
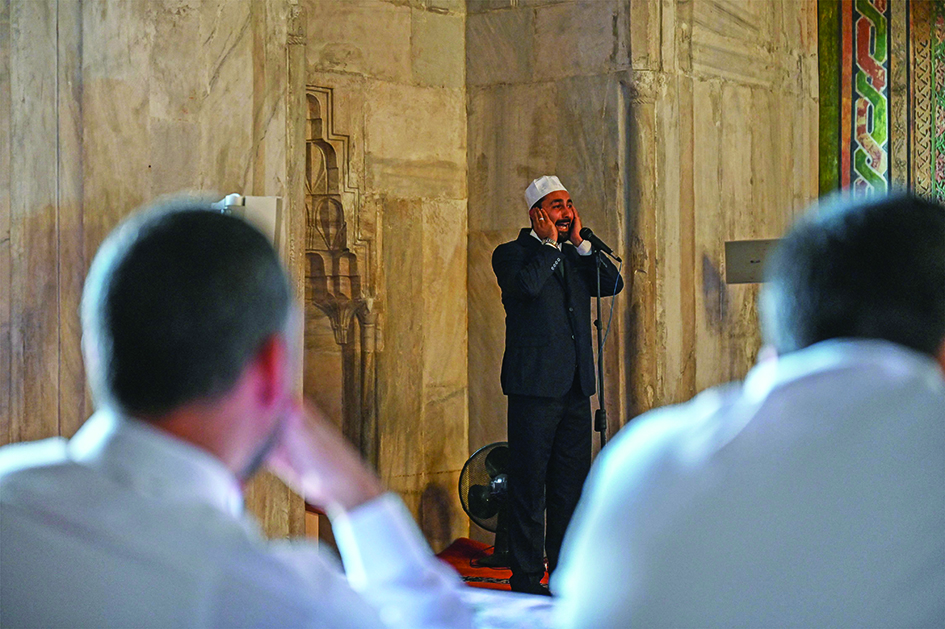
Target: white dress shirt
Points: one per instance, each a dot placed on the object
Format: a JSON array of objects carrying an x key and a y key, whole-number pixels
[
  {"x": 126, "y": 526},
  {"x": 811, "y": 495}
]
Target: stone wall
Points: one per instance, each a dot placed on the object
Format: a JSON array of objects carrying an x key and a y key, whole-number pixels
[
  {"x": 105, "y": 105},
  {"x": 725, "y": 121},
  {"x": 397, "y": 74}
]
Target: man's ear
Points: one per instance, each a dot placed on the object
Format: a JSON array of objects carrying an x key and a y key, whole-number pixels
[{"x": 270, "y": 362}]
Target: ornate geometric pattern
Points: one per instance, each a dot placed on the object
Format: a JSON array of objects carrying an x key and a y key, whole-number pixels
[
  {"x": 899, "y": 94},
  {"x": 869, "y": 146},
  {"x": 920, "y": 22},
  {"x": 883, "y": 96},
  {"x": 938, "y": 99}
]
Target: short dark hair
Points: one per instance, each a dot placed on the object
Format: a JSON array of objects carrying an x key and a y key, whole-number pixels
[
  {"x": 178, "y": 299},
  {"x": 871, "y": 269}
]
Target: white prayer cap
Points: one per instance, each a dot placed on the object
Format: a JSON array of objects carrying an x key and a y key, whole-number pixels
[{"x": 544, "y": 185}]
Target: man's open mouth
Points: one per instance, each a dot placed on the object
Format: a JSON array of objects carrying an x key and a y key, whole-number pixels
[{"x": 563, "y": 225}]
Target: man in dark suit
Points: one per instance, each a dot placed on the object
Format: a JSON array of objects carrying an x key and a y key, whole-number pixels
[{"x": 547, "y": 276}]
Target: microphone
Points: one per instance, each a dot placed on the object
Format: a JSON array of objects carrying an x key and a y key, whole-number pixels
[{"x": 598, "y": 244}]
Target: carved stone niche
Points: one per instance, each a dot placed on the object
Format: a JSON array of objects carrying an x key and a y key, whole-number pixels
[{"x": 340, "y": 285}]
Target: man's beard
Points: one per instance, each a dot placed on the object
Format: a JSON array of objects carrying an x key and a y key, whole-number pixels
[{"x": 262, "y": 453}]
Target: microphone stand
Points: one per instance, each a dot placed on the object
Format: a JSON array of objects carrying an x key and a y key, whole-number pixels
[{"x": 600, "y": 417}]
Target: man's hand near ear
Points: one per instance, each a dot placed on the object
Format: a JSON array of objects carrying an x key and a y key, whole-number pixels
[{"x": 314, "y": 459}]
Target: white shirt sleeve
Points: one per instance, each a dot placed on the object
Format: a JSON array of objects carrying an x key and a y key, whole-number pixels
[
  {"x": 390, "y": 564},
  {"x": 585, "y": 248}
]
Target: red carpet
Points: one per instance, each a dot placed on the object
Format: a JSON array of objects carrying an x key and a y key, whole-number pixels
[{"x": 463, "y": 555}]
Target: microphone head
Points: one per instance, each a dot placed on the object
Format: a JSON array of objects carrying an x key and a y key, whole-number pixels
[{"x": 586, "y": 233}]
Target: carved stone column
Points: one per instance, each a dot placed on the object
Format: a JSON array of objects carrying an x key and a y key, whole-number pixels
[{"x": 339, "y": 269}]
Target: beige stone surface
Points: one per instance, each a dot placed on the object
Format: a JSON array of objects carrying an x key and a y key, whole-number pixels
[
  {"x": 487, "y": 405},
  {"x": 322, "y": 366},
  {"x": 499, "y": 46},
  {"x": 442, "y": 234},
  {"x": 439, "y": 512},
  {"x": 415, "y": 141},
  {"x": 482, "y": 6},
  {"x": 513, "y": 138},
  {"x": 581, "y": 38},
  {"x": 33, "y": 285},
  {"x": 363, "y": 37},
  {"x": 436, "y": 58},
  {"x": 136, "y": 100},
  {"x": 445, "y": 6},
  {"x": 73, "y": 404},
  {"x": 400, "y": 376}
]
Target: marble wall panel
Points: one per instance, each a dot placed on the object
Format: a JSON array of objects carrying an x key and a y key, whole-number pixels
[
  {"x": 74, "y": 403},
  {"x": 581, "y": 38},
  {"x": 33, "y": 288},
  {"x": 442, "y": 237},
  {"x": 415, "y": 141},
  {"x": 439, "y": 512},
  {"x": 365, "y": 37},
  {"x": 482, "y": 6},
  {"x": 176, "y": 95},
  {"x": 444, "y": 434},
  {"x": 644, "y": 34},
  {"x": 6, "y": 262},
  {"x": 400, "y": 377},
  {"x": 589, "y": 156},
  {"x": 734, "y": 41},
  {"x": 174, "y": 162},
  {"x": 435, "y": 55},
  {"x": 322, "y": 367},
  {"x": 513, "y": 138},
  {"x": 712, "y": 294},
  {"x": 226, "y": 115},
  {"x": 499, "y": 46},
  {"x": 134, "y": 101},
  {"x": 270, "y": 90},
  {"x": 116, "y": 114},
  {"x": 669, "y": 290},
  {"x": 487, "y": 404}
]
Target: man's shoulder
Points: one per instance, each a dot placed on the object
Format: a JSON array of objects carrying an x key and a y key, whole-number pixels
[
  {"x": 662, "y": 433},
  {"x": 523, "y": 239},
  {"x": 18, "y": 459}
]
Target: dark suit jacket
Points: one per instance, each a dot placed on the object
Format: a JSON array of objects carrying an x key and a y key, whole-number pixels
[{"x": 547, "y": 318}]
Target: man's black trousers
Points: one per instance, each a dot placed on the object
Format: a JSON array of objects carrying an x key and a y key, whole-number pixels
[{"x": 549, "y": 458}]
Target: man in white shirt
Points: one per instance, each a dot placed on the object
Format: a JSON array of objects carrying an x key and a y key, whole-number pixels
[
  {"x": 811, "y": 494},
  {"x": 138, "y": 520}
]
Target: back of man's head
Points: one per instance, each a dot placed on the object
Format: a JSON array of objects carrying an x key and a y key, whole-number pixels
[
  {"x": 178, "y": 299},
  {"x": 869, "y": 269}
]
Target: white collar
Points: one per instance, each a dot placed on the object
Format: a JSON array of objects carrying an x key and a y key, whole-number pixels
[
  {"x": 837, "y": 354},
  {"x": 151, "y": 461}
]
